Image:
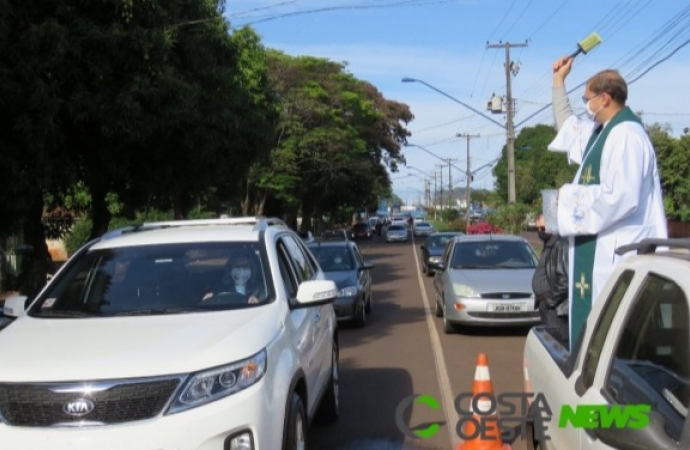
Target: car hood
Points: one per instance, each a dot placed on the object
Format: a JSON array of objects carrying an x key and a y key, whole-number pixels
[
  {"x": 40, "y": 349},
  {"x": 343, "y": 278},
  {"x": 494, "y": 280}
]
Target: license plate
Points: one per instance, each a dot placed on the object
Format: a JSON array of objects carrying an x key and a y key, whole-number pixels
[{"x": 506, "y": 307}]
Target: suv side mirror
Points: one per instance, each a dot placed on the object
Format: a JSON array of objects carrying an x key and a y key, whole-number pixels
[
  {"x": 15, "y": 306},
  {"x": 316, "y": 292}
]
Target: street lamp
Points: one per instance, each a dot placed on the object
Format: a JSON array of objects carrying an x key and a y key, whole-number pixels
[{"x": 509, "y": 127}]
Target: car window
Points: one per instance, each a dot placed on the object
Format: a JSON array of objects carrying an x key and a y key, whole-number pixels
[
  {"x": 651, "y": 363},
  {"x": 287, "y": 271},
  {"x": 156, "y": 279},
  {"x": 601, "y": 329},
  {"x": 493, "y": 254},
  {"x": 333, "y": 258},
  {"x": 303, "y": 266},
  {"x": 439, "y": 241},
  {"x": 358, "y": 256},
  {"x": 396, "y": 228}
]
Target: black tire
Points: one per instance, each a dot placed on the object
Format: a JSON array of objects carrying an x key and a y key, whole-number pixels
[
  {"x": 368, "y": 308},
  {"x": 329, "y": 409},
  {"x": 361, "y": 318},
  {"x": 438, "y": 308},
  {"x": 448, "y": 328},
  {"x": 295, "y": 433}
]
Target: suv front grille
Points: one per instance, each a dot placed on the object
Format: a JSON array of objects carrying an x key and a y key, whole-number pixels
[{"x": 44, "y": 405}]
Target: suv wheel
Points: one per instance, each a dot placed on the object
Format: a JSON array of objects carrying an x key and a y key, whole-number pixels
[
  {"x": 329, "y": 410},
  {"x": 295, "y": 436},
  {"x": 368, "y": 308}
]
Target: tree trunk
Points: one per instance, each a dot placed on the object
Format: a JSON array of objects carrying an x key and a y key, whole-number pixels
[
  {"x": 36, "y": 258},
  {"x": 100, "y": 216}
]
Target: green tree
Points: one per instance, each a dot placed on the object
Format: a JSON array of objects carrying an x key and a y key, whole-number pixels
[
  {"x": 335, "y": 136},
  {"x": 674, "y": 170},
  {"x": 536, "y": 168}
]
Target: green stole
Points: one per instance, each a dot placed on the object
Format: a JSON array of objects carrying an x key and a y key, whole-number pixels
[{"x": 585, "y": 245}]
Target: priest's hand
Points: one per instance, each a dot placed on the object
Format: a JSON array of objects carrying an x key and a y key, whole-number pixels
[{"x": 561, "y": 69}]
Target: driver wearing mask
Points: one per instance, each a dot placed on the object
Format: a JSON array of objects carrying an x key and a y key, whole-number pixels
[{"x": 239, "y": 277}]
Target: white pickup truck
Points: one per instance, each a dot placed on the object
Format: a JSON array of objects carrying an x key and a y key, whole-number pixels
[{"x": 626, "y": 382}]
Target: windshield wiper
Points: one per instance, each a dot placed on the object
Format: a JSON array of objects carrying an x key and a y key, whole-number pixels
[
  {"x": 159, "y": 311},
  {"x": 63, "y": 313}
]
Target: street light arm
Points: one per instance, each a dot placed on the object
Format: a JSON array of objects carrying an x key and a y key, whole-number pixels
[{"x": 413, "y": 80}]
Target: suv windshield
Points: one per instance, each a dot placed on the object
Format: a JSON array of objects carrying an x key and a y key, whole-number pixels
[{"x": 159, "y": 279}]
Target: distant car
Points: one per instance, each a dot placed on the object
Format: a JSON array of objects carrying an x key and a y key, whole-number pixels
[
  {"x": 342, "y": 262},
  {"x": 486, "y": 280},
  {"x": 396, "y": 233},
  {"x": 422, "y": 228},
  {"x": 432, "y": 250},
  {"x": 361, "y": 230}
]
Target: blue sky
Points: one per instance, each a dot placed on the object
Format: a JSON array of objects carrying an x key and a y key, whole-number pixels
[{"x": 444, "y": 44}]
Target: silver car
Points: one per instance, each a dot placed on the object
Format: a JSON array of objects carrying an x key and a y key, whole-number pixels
[
  {"x": 486, "y": 280},
  {"x": 422, "y": 228},
  {"x": 396, "y": 233}
]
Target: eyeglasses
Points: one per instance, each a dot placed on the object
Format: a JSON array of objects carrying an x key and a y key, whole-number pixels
[
  {"x": 586, "y": 100},
  {"x": 241, "y": 266}
]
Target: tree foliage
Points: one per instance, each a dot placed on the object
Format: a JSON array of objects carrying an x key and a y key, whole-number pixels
[
  {"x": 335, "y": 137},
  {"x": 536, "y": 168}
]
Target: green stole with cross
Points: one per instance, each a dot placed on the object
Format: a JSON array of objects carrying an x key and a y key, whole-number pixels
[{"x": 585, "y": 245}]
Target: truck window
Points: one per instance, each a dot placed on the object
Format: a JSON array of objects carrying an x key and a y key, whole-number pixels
[
  {"x": 601, "y": 330},
  {"x": 651, "y": 362}
]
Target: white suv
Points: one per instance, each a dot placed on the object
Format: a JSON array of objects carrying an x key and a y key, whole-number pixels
[{"x": 137, "y": 343}]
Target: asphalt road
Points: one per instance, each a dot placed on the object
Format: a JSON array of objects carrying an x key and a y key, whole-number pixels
[{"x": 401, "y": 352}]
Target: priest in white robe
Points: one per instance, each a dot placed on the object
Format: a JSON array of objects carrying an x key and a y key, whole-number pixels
[{"x": 615, "y": 198}]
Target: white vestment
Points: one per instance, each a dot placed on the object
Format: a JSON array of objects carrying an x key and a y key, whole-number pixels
[{"x": 624, "y": 208}]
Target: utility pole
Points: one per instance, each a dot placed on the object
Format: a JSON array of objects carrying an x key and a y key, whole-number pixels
[
  {"x": 435, "y": 194},
  {"x": 441, "y": 166},
  {"x": 450, "y": 185},
  {"x": 468, "y": 175},
  {"x": 510, "y": 67}
]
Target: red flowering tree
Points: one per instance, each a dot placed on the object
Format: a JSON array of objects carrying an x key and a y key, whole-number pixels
[{"x": 483, "y": 228}]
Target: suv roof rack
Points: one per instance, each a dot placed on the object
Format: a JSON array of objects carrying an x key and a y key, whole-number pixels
[
  {"x": 260, "y": 224},
  {"x": 649, "y": 246}
]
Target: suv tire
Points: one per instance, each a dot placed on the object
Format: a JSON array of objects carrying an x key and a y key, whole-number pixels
[
  {"x": 329, "y": 410},
  {"x": 295, "y": 434}
]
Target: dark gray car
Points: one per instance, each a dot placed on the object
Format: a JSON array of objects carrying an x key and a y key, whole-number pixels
[
  {"x": 432, "y": 250},
  {"x": 342, "y": 262}
]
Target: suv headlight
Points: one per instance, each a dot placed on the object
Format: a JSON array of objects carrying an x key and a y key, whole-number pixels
[
  {"x": 213, "y": 384},
  {"x": 348, "y": 291}
]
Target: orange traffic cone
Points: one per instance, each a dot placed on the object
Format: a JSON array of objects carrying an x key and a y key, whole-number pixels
[{"x": 487, "y": 436}]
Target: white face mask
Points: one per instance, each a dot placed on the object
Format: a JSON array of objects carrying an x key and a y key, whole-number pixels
[
  {"x": 591, "y": 114},
  {"x": 241, "y": 275}
]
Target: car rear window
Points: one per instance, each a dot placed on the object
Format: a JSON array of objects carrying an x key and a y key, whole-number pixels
[{"x": 493, "y": 254}]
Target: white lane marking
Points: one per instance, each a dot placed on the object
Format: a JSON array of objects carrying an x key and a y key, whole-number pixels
[{"x": 447, "y": 398}]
